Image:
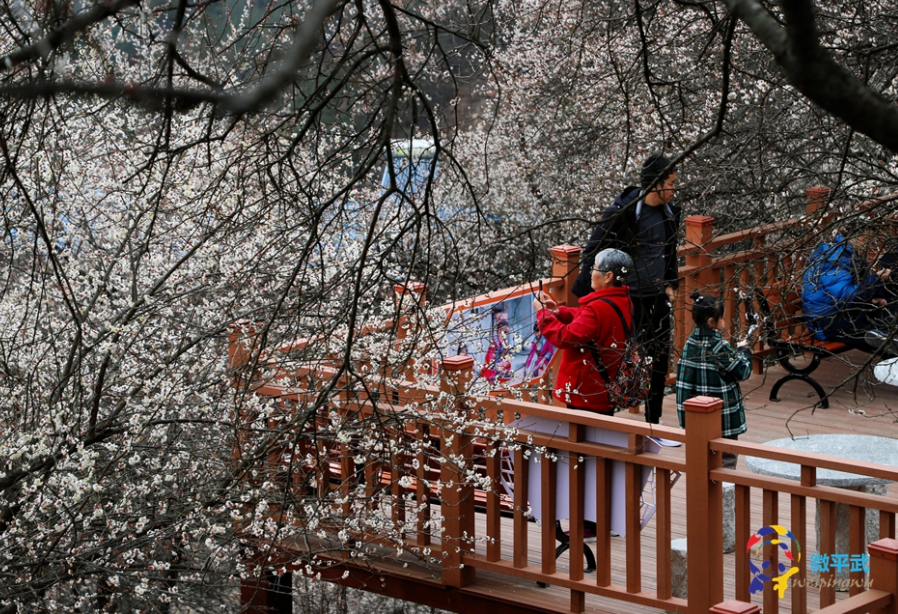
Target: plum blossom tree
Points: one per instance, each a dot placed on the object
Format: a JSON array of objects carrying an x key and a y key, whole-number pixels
[
  {"x": 589, "y": 89},
  {"x": 167, "y": 171}
]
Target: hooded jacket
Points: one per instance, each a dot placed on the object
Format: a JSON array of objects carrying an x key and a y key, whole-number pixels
[
  {"x": 830, "y": 286},
  {"x": 618, "y": 230},
  {"x": 579, "y": 381}
]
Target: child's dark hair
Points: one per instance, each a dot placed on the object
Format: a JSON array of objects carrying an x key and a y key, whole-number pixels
[{"x": 705, "y": 307}]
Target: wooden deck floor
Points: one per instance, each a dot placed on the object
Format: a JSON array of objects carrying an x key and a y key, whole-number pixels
[{"x": 862, "y": 406}]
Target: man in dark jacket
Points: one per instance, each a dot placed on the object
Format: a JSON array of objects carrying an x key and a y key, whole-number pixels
[{"x": 646, "y": 229}]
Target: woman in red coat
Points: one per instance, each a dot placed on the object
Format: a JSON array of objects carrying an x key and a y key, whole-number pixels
[{"x": 596, "y": 324}]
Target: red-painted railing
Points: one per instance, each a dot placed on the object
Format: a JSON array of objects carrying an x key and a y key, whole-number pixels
[{"x": 449, "y": 498}]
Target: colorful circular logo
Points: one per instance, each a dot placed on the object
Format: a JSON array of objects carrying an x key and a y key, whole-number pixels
[{"x": 774, "y": 535}]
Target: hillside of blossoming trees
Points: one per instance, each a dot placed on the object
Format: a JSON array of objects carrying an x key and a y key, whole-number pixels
[{"x": 169, "y": 169}]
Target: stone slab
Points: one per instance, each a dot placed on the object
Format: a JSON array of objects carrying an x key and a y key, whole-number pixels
[
  {"x": 729, "y": 517},
  {"x": 678, "y": 568},
  {"x": 863, "y": 448}
]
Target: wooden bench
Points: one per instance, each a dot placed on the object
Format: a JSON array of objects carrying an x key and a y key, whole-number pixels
[{"x": 787, "y": 335}]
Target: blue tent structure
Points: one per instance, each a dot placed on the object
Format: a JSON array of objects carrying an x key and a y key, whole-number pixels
[{"x": 412, "y": 161}]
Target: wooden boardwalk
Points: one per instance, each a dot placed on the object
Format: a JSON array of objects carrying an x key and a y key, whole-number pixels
[
  {"x": 863, "y": 406},
  {"x": 505, "y": 580}
]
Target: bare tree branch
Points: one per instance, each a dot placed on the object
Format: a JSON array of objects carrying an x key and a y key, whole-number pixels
[
  {"x": 304, "y": 42},
  {"x": 150, "y": 98},
  {"x": 812, "y": 70},
  {"x": 65, "y": 33}
]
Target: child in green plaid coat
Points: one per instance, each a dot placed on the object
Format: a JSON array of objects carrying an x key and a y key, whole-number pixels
[{"x": 709, "y": 367}]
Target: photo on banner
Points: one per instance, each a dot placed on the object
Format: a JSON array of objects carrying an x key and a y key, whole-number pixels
[{"x": 501, "y": 335}]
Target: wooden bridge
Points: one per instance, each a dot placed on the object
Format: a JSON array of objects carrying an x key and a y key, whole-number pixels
[{"x": 459, "y": 477}]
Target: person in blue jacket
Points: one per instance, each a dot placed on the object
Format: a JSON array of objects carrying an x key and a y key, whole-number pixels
[{"x": 840, "y": 295}]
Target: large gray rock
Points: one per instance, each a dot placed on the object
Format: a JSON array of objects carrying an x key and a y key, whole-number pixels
[
  {"x": 843, "y": 528},
  {"x": 864, "y": 448},
  {"x": 678, "y": 568},
  {"x": 729, "y": 517}
]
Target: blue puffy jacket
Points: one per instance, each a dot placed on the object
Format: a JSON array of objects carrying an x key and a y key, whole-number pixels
[{"x": 829, "y": 287}]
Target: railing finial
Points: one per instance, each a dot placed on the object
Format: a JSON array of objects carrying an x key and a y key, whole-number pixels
[
  {"x": 884, "y": 570},
  {"x": 734, "y": 606},
  {"x": 817, "y": 197},
  {"x": 566, "y": 265}
]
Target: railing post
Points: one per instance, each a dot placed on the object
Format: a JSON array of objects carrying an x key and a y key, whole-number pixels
[
  {"x": 816, "y": 198},
  {"x": 242, "y": 351},
  {"x": 734, "y": 606},
  {"x": 410, "y": 297},
  {"x": 408, "y": 293},
  {"x": 704, "y": 505},
  {"x": 566, "y": 265},
  {"x": 456, "y": 493},
  {"x": 699, "y": 230},
  {"x": 884, "y": 570},
  {"x": 240, "y": 343}
]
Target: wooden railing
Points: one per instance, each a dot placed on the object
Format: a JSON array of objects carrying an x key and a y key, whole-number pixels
[
  {"x": 566, "y": 453},
  {"x": 465, "y": 531},
  {"x": 800, "y": 492},
  {"x": 447, "y": 498},
  {"x": 764, "y": 257},
  {"x": 704, "y": 479},
  {"x": 768, "y": 257}
]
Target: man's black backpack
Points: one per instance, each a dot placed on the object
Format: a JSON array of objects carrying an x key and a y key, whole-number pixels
[{"x": 630, "y": 387}]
